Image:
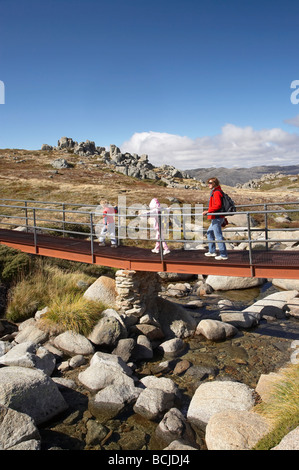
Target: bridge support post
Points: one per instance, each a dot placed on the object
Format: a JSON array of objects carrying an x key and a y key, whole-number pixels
[{"x": 137, "y": 292}]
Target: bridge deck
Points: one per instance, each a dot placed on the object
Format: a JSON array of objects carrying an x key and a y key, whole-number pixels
[{"x": 265, "y": 264}]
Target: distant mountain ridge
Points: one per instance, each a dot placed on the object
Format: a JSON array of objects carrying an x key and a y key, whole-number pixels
[{"x": 234, "y": 176}]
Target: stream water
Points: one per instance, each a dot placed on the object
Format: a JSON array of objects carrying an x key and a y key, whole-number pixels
[{"x": 242, "y": 358}]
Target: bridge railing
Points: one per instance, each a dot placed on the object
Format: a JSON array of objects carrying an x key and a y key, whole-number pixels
[{"x": 85, "y": 221}]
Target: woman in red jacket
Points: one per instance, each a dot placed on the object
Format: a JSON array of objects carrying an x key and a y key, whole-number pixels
[{"x": 214, "y": 231}]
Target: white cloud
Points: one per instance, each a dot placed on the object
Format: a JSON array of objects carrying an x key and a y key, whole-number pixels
[{"x": 234, "y": 147}]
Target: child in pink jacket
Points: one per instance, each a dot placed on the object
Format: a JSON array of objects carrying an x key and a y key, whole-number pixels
[{"x": 155, "y": 209}]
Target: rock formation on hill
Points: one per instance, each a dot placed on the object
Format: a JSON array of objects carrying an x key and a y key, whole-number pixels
[{"x": 137, "y": 166}]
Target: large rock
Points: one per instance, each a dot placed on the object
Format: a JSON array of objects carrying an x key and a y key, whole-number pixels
[
  {"x": 16, "y": 428},
  {"x": 31, "y": 392},
  {"x": 286, "y": 284},
  {"x": 212, "y": 397},
  {"x": 235, "y": 430},
  {"x": 66, "y": 143},
  {"x": 232, "y": 283},
  {"x": 102, "y": 290}
]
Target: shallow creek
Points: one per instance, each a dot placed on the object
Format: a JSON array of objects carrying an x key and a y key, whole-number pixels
[{"x": 243, "y": 358}]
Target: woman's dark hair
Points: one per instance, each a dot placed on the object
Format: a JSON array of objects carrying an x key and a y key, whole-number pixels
[{"x": 215, "y": 181}]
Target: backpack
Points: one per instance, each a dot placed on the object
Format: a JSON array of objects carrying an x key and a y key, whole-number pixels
[{"x": 228, "y": 204}]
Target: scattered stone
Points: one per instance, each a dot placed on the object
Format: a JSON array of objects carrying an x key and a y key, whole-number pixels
[
  {"x": 161, "y": 383},
  {"x": 143, "y": 349},
  {"x": 173, "y": 347},
  {"x": 31, "y": 333},
  {"x": 174, "y": 426},
  {"x": 215, "y": 330},
  {"x": 181, "y": 367},
  {"x": 27, "y": 364},
  {"x": 105, "y": 370},
  {"x": 125, "y": 348},
  {"x": 61, "y": 163},
  {"x": 240, "y": 319},
  {"x": 152, "y": 403},
  {"x": 73, "y": 343},
  {"x": 106, "y": 333},
  {"x": 112, "y": 400}
]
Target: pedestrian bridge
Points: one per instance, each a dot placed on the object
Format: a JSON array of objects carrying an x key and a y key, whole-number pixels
[{"x": 55, "y": 230}]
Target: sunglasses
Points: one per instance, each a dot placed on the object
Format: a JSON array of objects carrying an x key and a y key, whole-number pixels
[{"x": 211, "y": 182}]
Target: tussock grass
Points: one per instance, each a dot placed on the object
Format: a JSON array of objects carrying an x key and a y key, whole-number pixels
[
  {"x": 282, "y": 409},
  {"x": 72, "y": 312},
  {"x": 46, "y": 285}
]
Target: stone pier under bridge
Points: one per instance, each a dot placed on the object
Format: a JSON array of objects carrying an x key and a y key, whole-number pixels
[{"x": 135, "y": 296}]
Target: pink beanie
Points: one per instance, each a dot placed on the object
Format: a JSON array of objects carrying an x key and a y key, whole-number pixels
[{"x": 154, "y": 203}]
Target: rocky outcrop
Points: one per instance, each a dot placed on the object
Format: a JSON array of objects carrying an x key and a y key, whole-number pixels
[{"x": 133, "y": 165}]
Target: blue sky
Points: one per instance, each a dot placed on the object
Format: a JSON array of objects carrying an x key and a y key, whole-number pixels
[{"x": 192, "y": 83}]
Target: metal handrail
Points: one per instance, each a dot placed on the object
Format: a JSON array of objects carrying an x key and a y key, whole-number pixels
[{"x": 31, "y": 215}]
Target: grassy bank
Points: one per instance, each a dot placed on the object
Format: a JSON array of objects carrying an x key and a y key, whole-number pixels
[
  {"x": 34, "y": 283},
  {"x": 281, "y": 409}
]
